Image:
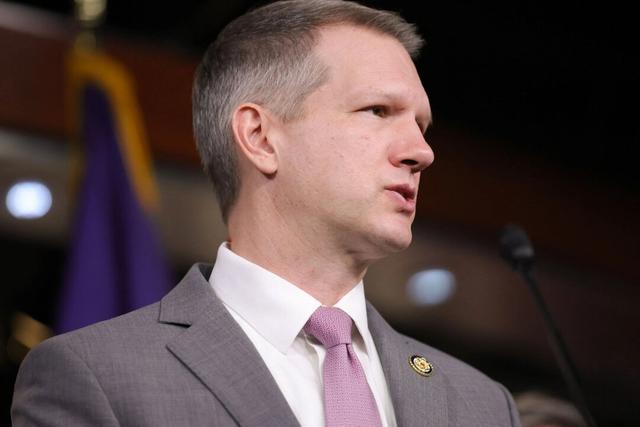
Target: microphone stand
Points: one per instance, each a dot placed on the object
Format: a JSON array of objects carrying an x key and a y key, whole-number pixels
[
  {"x": 517, "y": 250},
  {"x": 567, "y": 367}
]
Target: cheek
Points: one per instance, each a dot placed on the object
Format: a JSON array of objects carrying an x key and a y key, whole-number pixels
[{"x": 335, "y": 150}]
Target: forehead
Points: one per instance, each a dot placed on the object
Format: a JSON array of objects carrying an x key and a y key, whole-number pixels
[
  {"x": 360, "y": 59},
  {"x": 343, "y": 38}
]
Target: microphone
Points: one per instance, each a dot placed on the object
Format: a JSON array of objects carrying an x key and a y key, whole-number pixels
[{"x": 517, "y": 250}]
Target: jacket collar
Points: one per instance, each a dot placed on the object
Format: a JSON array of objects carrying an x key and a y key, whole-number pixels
[{"x": 219, "y": 354}]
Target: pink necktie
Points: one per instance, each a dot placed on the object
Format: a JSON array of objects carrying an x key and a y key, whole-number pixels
[{"x": 348, "y": 400}]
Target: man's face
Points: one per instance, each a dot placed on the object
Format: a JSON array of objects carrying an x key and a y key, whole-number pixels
[{"x": 350, "y": 167}]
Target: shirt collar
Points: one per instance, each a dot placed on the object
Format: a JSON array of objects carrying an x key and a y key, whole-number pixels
[
  {"x": 274, "y": 307},
  {"x": 353, "y": 303}
]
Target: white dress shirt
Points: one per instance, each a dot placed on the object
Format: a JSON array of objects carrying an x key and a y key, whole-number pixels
[{"x": 272, "y": 312}]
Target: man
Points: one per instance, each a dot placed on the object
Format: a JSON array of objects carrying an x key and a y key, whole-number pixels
[{"x": 310, "y": 120}]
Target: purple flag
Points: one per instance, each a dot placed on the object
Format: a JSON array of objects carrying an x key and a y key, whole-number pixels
[{"x": 115, "y": 263}]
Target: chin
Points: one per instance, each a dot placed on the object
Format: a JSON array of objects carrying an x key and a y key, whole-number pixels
[
  {"x": 400, "y": 242},
  {"x": 398, "y": 233},
  {"x": 390, "y": 240}
]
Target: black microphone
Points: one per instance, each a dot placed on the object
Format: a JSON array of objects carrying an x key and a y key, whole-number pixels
[{"x": 517, "y": 250}]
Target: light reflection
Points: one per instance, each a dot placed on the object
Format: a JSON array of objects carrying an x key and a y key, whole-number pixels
[
  {"x": 431, "y": 287},
  {"x": 29, "y": 200}
]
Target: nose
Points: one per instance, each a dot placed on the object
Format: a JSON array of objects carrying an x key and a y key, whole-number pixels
[{"x": 411, "y": 150}]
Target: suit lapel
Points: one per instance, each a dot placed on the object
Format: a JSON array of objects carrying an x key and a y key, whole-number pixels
[
  {"x": 417, "y": 400},
  {"x": 218, "y": 353}
]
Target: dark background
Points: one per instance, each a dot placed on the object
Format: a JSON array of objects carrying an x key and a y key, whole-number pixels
[{"x": 555, "y": 83}]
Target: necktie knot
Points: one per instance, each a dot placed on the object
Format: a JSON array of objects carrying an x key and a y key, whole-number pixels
[{"x": 331, "y": 326}]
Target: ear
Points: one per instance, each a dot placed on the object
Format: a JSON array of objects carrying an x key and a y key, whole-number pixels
[{"x": 250, "y": 124}]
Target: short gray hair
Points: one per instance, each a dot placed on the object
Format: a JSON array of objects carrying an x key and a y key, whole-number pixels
[{"x": 266, "y": 57}]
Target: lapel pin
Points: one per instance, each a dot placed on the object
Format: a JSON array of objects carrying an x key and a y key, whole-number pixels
[{"x": 421, "y": 365}]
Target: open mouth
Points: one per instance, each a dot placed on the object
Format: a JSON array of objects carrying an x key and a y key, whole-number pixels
[{"x": 405, "y": 190}]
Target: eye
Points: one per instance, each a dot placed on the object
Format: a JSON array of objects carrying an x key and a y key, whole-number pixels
[{"x": 378, "y": 110}]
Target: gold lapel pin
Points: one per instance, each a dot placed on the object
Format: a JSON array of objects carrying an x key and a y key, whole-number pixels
[{"x": 421, "y": 365}]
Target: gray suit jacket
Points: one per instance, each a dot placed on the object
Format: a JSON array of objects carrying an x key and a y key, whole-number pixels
[{"x": 185, "y": 362}]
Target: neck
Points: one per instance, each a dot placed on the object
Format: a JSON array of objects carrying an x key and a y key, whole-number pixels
[{"x": 296, "y": 254}]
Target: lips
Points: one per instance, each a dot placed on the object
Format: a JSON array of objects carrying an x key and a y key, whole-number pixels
[
  {"x": 405, "y": 196},
  {"x": 405, "y": 190}
]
